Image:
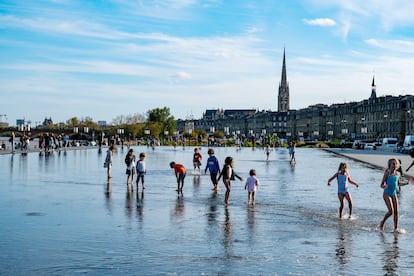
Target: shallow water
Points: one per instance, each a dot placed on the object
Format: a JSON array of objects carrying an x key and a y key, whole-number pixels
[{"x": 61, "y": 216}]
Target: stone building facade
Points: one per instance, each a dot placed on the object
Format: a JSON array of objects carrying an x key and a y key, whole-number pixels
[{"x": 370, "y": 119}]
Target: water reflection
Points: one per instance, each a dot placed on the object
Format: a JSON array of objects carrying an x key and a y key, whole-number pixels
[
  {"x": 227, "y": 230},
  {"x": 391, "y": 254},
  {"x": 342, "y": 247},
  {"x": 251, "y": 224},
  {"x": 129, "y": 203},
  {"x": 179, "y": 209},
  {"x": 140, "y": 206},
  {"x": 108, "y": 196}
]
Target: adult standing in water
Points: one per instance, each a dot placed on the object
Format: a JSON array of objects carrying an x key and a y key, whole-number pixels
[{"x": 108, "y": 160}]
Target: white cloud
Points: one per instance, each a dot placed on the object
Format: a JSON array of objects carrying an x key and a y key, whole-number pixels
[
  {"x": 401, "y": 46},
  {"x": 322, "y": 22}
]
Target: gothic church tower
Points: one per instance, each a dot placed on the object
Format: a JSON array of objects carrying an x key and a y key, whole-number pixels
[{"x": 283, "y": 97}]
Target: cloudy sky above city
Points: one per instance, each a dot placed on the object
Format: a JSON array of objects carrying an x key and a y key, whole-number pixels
[{"x": 101, "y": 59}]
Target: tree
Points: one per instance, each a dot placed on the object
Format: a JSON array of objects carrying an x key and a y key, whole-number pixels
[
  {"x": 72, "y": 122},
  {"x": 159, "y": 115},
  {"x": 162, "y": 120}
]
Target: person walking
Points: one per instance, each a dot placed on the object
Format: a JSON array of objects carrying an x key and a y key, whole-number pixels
[
  {"x": 228, "y": 175},
  {"x": 390, "y": 182},
  {"x": 252, "y": 184},
  {"x": 197, "y": 160},
  {"x": 343, "y": 178},
  {"x": 268, "y": 150},
  {"x": 214, "y": 168}
]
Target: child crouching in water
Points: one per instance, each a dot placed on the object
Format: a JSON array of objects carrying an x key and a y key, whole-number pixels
[
  {"x": 252, "y": 183},
  {"x": 343, "y": 178}
]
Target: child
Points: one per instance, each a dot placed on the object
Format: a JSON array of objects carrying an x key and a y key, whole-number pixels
[
  {"x": 141, "y": 170},
  {"x": 108, "y": 160},
  {"x": 292, "y": 152},
  {"x": 389, "y": 183},
  {"x": 228, "y": 174},
  {"x": 343, "y": 178},
  {"x": 197, "y": 159},
  {"x": 130, "y": 162},
  {"x": 252, "y": 183},
  {"x": 180, "y": 172},
  {"x": 268, "y": 150},
  {"x": 214, "y": 168}
]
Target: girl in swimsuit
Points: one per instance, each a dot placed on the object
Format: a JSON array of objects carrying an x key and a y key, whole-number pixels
[
  {"x": 343, "y": 178},
  {"x": 390, "y": 182}
]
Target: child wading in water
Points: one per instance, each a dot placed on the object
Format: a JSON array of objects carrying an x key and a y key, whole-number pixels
[
  {"x": 228, "y": 174},
  {"x": 180, "y": 172},
  {"x": 197, "y": 160},
  {"x": 252, "y": 183},
  {"x": 141, "y": 170},
  {"x": 130, "y": 170},
  {"x": 390, "y": 182},
  {"x": 214, "y": 168},
  {"x": 343, "y": 178}
]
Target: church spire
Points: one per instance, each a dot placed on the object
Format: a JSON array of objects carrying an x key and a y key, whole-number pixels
[
  {"x": 283, "y": 96},
  {"x": 284, "y": 68},
  {"x": 373, "y": 89}
]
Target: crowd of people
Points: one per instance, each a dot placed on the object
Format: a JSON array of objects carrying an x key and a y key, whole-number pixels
[{"x": 391, "y": 181}]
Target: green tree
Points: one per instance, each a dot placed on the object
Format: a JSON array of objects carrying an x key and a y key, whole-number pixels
[
  {"x": 160, "y": 120},
  {"x": 159, "y": 115}
]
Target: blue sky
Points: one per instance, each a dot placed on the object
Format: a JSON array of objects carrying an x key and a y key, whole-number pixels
[{"x": 103, "y": 59}]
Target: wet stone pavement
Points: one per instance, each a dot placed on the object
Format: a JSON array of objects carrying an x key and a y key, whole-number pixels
[{"x": 61, "y": 216}]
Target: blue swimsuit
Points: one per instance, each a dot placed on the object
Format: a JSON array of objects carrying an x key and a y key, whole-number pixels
[
  {"x": 342, "y": 183},
  {"x": 392, "y": 182}
]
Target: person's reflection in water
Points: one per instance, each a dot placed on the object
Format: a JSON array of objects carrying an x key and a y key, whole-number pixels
[
  {"x": 227, "y": 230},
  {"x": 342, "y": 246},
  {"x": 179, "y": 209},
  {"x": 140, "y": 206},
  {"x": 129, "y": 203},
  {"x": 251, "y": 223},
  {"x": 212, "y": 223},
  {"x": 196, "y": 181},
  {"x": 391, "y": 255},
  {"x": 108, "y": 196}
]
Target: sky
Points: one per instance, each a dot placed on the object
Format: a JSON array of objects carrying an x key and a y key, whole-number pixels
[{"x": 61, "y": 59}]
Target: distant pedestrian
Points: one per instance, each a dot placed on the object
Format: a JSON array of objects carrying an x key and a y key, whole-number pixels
[
  {"x": 389, "y": 183},
  {"x": 11, "y": 140},
  {"x": 291, "y": 149},
  {"x": 268, "y": 150},
  {"x": 130, "y": 163},
  {"x": 252, "y": 183},
  {"x": 214, "y": 168},
  {"x": 108, "y": 160},
  {"x": 228, "y": 174},
  {"x": 180, "y": 172},
  {"x": 343, "y": 178},
  {"x": 141, "y": 170}
]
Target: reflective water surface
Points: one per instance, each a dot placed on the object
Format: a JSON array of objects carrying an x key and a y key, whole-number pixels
[{"x": 60, "y": 215}]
